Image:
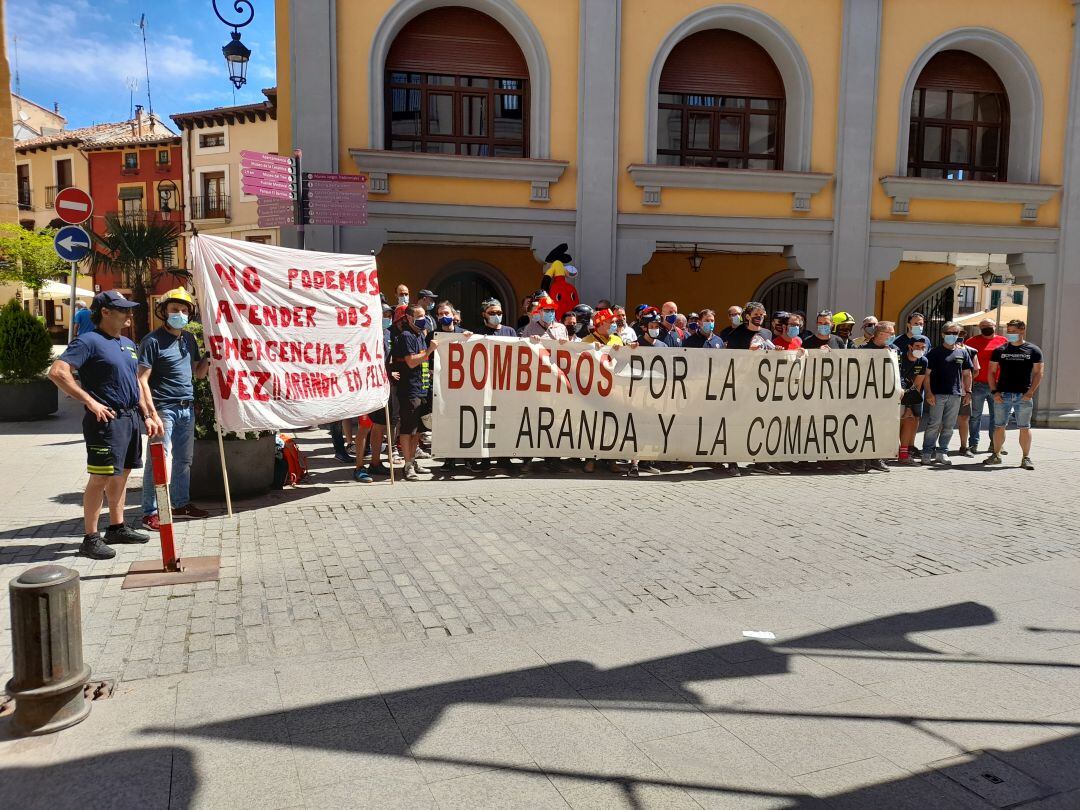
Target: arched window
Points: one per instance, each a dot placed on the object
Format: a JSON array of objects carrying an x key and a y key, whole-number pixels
[
  {"x": 721, "y": 104},
  {"x": 456, "y": 84},
  {"x": 959, "y": 120}
]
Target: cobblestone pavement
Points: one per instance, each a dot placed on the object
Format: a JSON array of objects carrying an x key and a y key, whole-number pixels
[
  {"x": 574, "y": 640},
  {"x": 338, "y": 566}
]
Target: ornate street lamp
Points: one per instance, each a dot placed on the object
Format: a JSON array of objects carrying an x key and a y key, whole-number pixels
[
  {"x": 695, "y": 260},
  {"x": 235, "y": 52},
  {"x": 167, "y": 193}
]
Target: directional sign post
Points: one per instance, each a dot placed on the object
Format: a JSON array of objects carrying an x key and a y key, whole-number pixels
[
  {"x": 72, "y": 244},
  {"x": 73, "y": 205}
]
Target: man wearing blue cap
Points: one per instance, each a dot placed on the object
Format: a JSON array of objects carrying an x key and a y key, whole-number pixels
[{"x": 118, "y": 411}]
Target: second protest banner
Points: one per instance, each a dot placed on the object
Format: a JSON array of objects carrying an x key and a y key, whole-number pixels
[
  {"x": 294, "y": 337},
  {"x": 498, "y": 397}
]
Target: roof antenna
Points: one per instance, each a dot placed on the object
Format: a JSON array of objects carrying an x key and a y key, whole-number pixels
[
  {"x": 146, "y": 63},
  {"x": 18, "y": 86},
  {"x": 132, "y": 85}
]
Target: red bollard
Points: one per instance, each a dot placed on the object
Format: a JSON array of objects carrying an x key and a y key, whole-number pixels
[{"x": 161, "y": 490}]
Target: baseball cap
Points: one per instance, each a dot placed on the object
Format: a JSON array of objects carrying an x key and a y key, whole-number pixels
[
  {"x": 113, "y": 300},
  {"x": 426, "y": 294}
]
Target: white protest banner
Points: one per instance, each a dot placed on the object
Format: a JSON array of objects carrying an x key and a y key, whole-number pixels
[
  {"x": 498, "y": 397},
  {"x": 294, "y": 336}
]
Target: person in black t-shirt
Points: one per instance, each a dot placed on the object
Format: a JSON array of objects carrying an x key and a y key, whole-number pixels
[
  {"x": 1016, "y": 372},
  {"x": 913, "y": 383},
  {"x": 750, "y": 334},
  {"x": 119, "y": 410},
  {"x": 823, "y": 338},
  {"x": 410, "y": 350}
]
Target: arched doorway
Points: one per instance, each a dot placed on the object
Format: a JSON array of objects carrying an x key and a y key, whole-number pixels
[
  {"x": 466, "y": 284},
  {"x": 936, "y": 306},
  {"x": 788, "y": 294}
]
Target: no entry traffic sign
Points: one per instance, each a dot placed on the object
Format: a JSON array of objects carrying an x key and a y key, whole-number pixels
[{"x": 73, "y": 205}]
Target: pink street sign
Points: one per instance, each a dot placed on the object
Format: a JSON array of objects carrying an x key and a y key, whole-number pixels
[
  {"x": 247, "y": 154},
  {"x": 338, "y": 178},
  {"x": 266, "y": 167},
  {"x": 334, "y": 194},
  {"x": 362, "y": 220},
  {"x": 343, "y": 188},
  {"x": 263, "y": 174},
  {"x": 261, "y": 191}
]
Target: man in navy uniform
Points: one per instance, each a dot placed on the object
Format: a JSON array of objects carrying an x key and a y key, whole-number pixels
[{"x": 119, "y": 411}]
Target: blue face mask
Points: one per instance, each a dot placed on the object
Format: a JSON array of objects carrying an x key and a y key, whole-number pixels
[
  {"x": 891, "y": 340},
  {"x": 430, "y": 306},
  {"x": 548, "y": 316},
  {"x": 494, "y": 320},
  {"x": 950, "y": 340},
  {"x": 420, "y": 323},
  {"x": 707, "y": 326},
  {"x": 916, "y": 331},
  {"x": 824, "y": 329},
  {"x": 446, "y": 320},
  {"x": 693, "y": 327},
  {"x": 386, "y": 323},
  {"x": 612, "y": 328},
  {"x": 670, "y": 319},
  {"x": 1013, "y": 338},
  {"x": 178, "y": 320},
  {"x": 793, "y": 331}
]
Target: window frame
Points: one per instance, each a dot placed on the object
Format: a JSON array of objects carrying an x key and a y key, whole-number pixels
[
  {"x": 124, "y": 161},
  {"x": 205, "y": 135},
  {"x": 716, "y": 112},
  {"x": 459, "y": 91},
  {"x": 919, "y": 122}
]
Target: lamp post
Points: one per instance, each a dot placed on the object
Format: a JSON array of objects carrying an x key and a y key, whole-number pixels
[
  {"x": 988, "y": 277},
  {"x": 167, "y": 192},
  {"x": 235, "y": 52},
  {"x": 695, "y": 260}
]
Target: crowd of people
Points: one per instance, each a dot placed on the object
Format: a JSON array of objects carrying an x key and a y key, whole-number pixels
[
  {"x": 964, "y": 382},
  {"x": 129, "y": 391}
]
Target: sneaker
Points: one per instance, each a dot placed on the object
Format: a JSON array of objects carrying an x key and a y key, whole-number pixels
[
  {"x": 967, "y": 452},
  {"x": 942, "y": 459},
  {"x": 410, "y": 474},
  {"x": 992, "y": 460},
  {"x": 878, "y": 464},
  {"x": 94, "y": 548},
  {"x": 633, "y": 472},
  {"x": 421, "y": 453},
  {"x": 974, "y": 448},
  {"x": 1003, "y": 452},
  {"x": 1025, "y": 463},
  {"x": 915, "y": 453},
  {"x": 344, "y": 458},
  {"x": 125, "y": 534},
  {"x": 189, "y": 510},
  {"x": 926, "y": 459},
  {"x": 418, "y": 469},
  {"x": 378, "y": 469},
  {"x": 649, "y": 467},
  {"x": 590, "y": 466},
  {"x": 733, "y": 468},
  {"x": 907, "y": 461},
  {"x": 151, "y": 523},
  {"x": 361, "y": 476}
]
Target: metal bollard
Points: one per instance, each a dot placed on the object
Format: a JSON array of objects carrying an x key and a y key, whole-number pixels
[{"x": 46, "y": 640}]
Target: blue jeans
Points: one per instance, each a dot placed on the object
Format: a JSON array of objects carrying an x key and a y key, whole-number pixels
[
  {"x": 940, "y": 422},
  {"x": 980, "y": 395},
  {"x": 179, "y": 441}
]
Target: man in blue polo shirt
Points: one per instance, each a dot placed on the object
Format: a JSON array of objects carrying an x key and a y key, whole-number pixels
[
  {"x": 169, "y": 360},
  {"x": 118, "y": 411},
  {"x": 949, "y": 368}
]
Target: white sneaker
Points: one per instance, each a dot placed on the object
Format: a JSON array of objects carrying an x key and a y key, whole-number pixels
[{"x": 943, "y": 460}]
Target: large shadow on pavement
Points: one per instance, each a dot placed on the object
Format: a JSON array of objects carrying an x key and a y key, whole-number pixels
[{"x": 392, "y": 723}]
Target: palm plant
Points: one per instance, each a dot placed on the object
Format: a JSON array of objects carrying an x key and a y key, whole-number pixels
[{"x": 139, "y": 247}]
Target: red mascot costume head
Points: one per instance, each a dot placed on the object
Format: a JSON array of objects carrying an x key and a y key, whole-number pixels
[{"x": 556, "y": 281}]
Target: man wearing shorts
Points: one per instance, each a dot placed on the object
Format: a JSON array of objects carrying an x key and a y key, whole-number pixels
[
  {"x": 912, "y": 381},
  {"x": 118, "y": 411},
  {"x": 1016, "y": 372},
  {"x": 410, "y": 350}
]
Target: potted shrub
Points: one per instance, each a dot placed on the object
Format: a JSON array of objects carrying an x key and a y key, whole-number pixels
[
  {"x": 25, "y": 356},
  {"x": 249, "y": 456}
]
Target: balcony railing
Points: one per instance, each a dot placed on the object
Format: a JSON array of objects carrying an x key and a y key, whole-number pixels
[
  {"x": 51, "y": 192},
  {"x": 24, "y": 200},
  {"x": 210, "y": 206}
]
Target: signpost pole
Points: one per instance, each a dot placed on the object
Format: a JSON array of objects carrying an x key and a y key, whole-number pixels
[
  {"x": 301, "y": 208},
  {"x": 71, "y": 305}
]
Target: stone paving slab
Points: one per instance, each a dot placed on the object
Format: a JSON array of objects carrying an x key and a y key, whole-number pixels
[{"x": 508, "y": 718}]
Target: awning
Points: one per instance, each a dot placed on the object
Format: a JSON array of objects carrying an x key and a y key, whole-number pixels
[
  {"x": 131, "y": 193},
  {"x": 1009, "y": 312},
  {"x": 56, "y": 290}
]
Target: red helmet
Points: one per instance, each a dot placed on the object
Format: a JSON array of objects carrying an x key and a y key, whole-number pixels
[
  {"x": 400, "y": 311},
  {"x": 602, "y": 318}
]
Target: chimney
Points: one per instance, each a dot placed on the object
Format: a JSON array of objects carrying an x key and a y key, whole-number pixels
[
  {"x": 136, "y": 124},
  {"x": 56, "y": 107}
]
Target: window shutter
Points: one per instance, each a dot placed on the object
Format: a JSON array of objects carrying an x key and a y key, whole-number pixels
[
  {"x": 458, "y": 41},
  {"x": 131, "y": 193},
  {"x": 721, "y": 62},
  {"x": 959, "y": 70}
]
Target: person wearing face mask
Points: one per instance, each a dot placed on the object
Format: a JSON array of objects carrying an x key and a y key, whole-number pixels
[
  {"x": 963, "y": 419},
  {"x": 1016, "y": 372},
  {"x": 491, "y": 313},
  {"x": 669, "y": 318},
  {"x": 426, "y": 299},
  {"x": 705, "y": 337},
  {"x": 650, "y": 334},
  {"x": 916, "y": 323},
  {"x": 735, "y": 318},
  {"x": 569, "y": 320},
  {"x": 693, "y": 323},
  {"x": 843, "y": 323},
  {"x": 605, "y": 332},
  {"x": 626, "y": 332},
  {"x": 542, "y": 322},
  {"x": 785, "y": 332},
  {"x": 823, "y": 337},
  {"x": 445, "y": 320},
  {"x": 402, "y": 295},
  {"x": 984, "y": 343},
  {"x": 868, "y": 325},
  {"x": 884, "y": 335},
  {"x": 751, "y": 333},
  {"x": 169, "y": 361},
  {"x": 948, "y": 387},
  {"x": 410, "y": 350},
  {"x": 913, "y": 384}
]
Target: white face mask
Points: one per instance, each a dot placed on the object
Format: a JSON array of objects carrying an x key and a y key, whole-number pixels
[
  {"x": 654, "y": 333},
  {"x": 918, "y": 353}
]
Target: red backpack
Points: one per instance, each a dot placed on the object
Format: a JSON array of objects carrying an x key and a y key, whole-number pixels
[{"x": 297, "y": 462}]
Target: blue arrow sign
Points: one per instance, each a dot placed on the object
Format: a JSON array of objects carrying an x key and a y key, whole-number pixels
[{"x": 72, "y": 243}]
